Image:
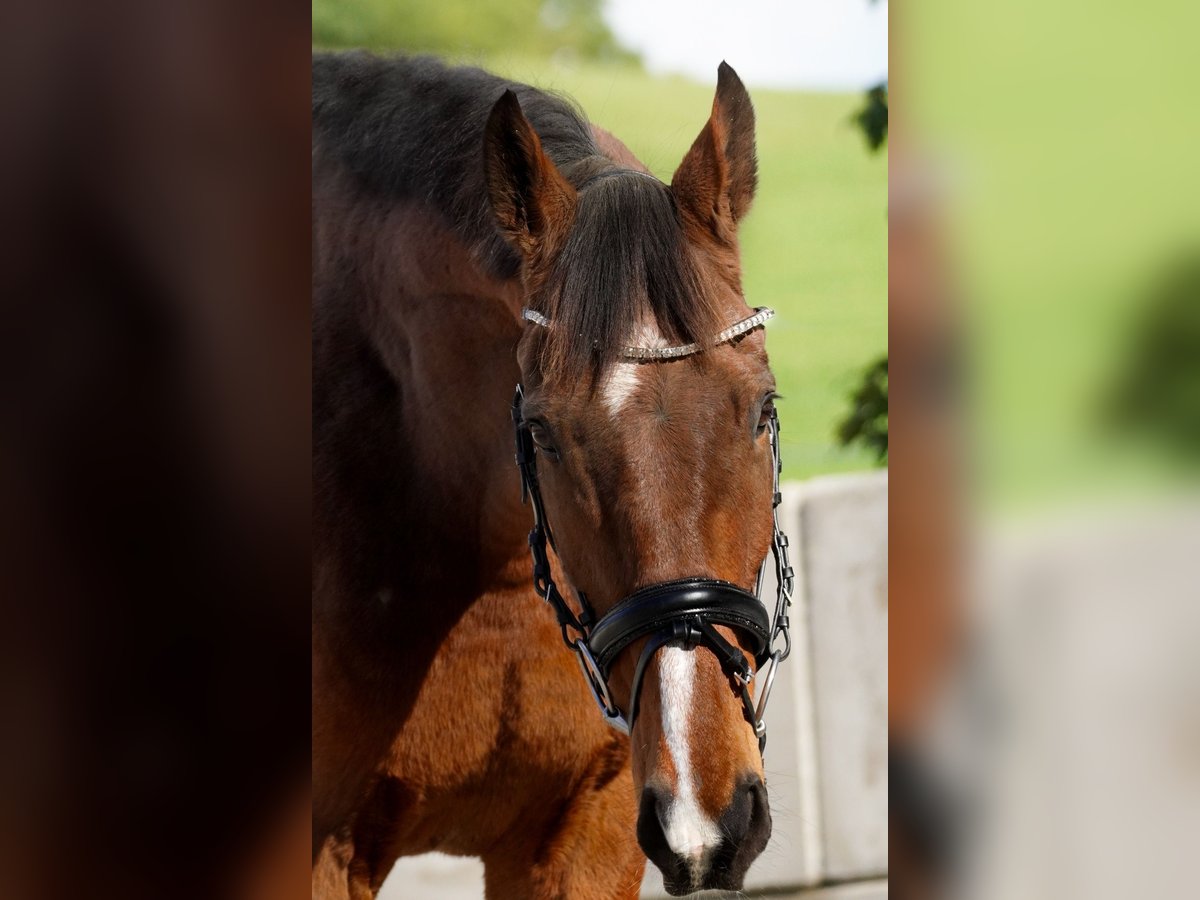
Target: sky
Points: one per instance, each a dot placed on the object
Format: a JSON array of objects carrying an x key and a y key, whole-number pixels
[{"x": 812, "y": 44}]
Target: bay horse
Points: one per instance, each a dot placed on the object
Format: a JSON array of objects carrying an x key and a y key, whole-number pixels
[{"x": 471, "y": 234}]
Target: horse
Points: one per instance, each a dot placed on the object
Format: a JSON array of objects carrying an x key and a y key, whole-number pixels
[{"x": 471, "y": 234}]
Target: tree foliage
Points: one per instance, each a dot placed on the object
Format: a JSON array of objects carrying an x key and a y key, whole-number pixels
[
  {"x": 465, "y": 27},
  {"x": 872, "y": 119},
  {"x": 867, "y": 421},
  {"x": 1157, "y": 394}
]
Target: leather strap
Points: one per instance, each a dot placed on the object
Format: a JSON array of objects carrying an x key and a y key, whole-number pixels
[{"x": 655, "y": 607}]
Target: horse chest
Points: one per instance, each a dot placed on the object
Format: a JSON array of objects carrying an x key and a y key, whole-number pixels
[{"x": 496, "y": 734}]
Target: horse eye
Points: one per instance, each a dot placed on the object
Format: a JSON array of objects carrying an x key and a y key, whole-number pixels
[
  {"x": 542, "y": 440},
  {"x": 764, "y": 416}
]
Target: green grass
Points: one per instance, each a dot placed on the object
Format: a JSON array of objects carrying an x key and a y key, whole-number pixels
[
  {"x": 1072, "y": 189},
  {"x": 814, "y": 246}
]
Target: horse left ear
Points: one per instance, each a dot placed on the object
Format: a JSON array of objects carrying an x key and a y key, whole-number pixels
[
  {"x": 529, "y": 196},
  {"x": 716, "y": 181}
]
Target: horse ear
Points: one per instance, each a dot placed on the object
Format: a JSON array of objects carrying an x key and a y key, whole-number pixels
[
  {"x": 715, "y": 183},
  {"x": 529, "y": 196}
]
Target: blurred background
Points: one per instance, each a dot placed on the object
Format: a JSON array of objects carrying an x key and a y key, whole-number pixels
[{"x": 1044, "y": 513}]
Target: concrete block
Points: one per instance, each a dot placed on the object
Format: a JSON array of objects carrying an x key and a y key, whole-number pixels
[
  {"x": 844, "y": 566},
  {"x": 434, "y": 875}
]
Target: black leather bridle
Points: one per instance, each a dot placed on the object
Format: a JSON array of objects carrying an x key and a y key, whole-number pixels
[{"x": 684, "y": 611}]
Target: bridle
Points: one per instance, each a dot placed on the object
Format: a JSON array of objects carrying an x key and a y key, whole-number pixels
[{"x": 684, "y": 611}]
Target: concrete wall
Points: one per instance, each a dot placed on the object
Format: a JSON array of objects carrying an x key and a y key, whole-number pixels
[{"x": 826, "y": 758}]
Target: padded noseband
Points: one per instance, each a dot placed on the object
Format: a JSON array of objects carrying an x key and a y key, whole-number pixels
[
  {"x": 686, "y": 611},
  {"x": 654, "y": 607}
]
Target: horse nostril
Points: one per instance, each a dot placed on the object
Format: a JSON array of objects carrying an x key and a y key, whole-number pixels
[
  {"x": 739, "y": 814},
  {"x": 746, "y": 822},
  {"x": 651, "y": 835},
  {"x": 760, "y": 812}
]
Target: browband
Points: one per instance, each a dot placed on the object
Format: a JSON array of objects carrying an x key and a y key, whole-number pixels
[{"x": 761, "y": 315}]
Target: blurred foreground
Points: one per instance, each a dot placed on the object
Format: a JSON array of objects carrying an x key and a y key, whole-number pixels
[
  {"x": 1045, "y": 510},
  {"x": 154, "y": 451}
]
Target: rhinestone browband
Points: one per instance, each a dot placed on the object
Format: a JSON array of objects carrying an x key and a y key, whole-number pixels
[{"x": 761, "y": 315}]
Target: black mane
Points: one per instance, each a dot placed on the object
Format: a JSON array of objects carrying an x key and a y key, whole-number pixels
[{"x": 412, "y": 128}]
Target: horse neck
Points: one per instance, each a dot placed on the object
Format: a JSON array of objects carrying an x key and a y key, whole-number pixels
[
  {"x": 447, "y": 333},
  {"x": 414, "y": 365}
]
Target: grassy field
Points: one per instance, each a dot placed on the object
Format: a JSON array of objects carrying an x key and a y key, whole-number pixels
[{"x": 815, "y": 244}]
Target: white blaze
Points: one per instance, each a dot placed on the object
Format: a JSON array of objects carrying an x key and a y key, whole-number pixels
[
  {"x": 688, "y": 831},
  {"x": 622, "y": 381},
  {"x": 623, "y": 377}
]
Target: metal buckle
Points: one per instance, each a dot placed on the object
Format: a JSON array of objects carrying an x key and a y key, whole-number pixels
[
  {"x": 599, "y": 687},
  {"x": 761, "y": 708}
]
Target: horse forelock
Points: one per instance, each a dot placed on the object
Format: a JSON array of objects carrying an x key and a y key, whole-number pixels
[{"x": 625, "y": 270}]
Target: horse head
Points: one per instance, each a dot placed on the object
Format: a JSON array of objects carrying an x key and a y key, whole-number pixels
[{"x": 654, "y": 464}]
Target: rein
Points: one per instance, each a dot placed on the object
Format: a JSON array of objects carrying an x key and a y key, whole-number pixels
[{"x": 684, "y": 611}]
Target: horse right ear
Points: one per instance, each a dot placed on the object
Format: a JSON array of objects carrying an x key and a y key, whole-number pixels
[
  {"x": 531, "y": 199},
  {"x": 716, "y": 181}
]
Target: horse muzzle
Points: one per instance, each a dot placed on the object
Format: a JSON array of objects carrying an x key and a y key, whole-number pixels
[{"x": 744, "y": 828}]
